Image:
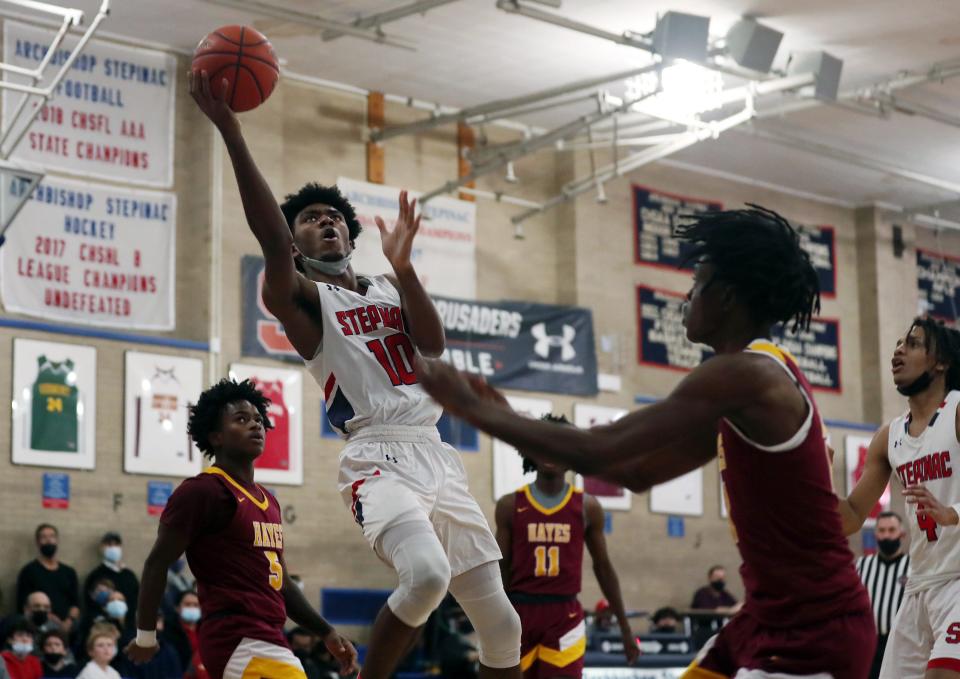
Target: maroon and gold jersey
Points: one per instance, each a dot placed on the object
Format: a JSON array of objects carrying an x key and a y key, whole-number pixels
[
  {"x": 547, "y": 554},
  {"x": 797, "y": 567},
  {"x": 234, "y": 551}
]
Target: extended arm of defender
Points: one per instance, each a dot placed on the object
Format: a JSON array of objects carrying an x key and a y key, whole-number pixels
[
  {"x": 855, "y": 509},
  {"x": 504, "y": 518},
  {"x": 606, "y": 575},
  {"x": 680, "y": 430}
]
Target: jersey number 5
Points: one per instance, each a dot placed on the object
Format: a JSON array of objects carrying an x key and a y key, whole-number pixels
[
  {"x": 927, "y": 524},
  {"x": 542, "y": 556},
  {"x": 395, "y": 354},
  {"x": 276, "y": 569}
]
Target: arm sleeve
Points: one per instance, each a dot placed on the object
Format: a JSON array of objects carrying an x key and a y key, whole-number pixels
[
  {"x": 23, "y": 587},
  {"x": 199, "y": 506}
]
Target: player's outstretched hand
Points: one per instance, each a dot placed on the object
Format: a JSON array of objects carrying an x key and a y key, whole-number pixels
[
  {"x": 343, "y": 651},
  {"x": 929, "y": 505},
  {"x": 398, "y": 244},
  {"x": 140, "y": 654},
  {"x": 213, "y": 105},
  {"x": 459, "y": 393}
]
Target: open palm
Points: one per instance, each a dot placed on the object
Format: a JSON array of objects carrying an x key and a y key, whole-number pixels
[{"x": 398, "y": 243}]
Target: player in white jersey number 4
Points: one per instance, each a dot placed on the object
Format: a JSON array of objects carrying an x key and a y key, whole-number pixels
[
  {"x": 359, "y": 337},
  {"x": 921, "y": 448}
]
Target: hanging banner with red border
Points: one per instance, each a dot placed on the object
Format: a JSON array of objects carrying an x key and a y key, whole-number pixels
[
  {"x": 56, "y": 491},
  {"x": 158, "y": 492}
]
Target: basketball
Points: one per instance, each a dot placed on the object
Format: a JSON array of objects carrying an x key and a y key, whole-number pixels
[{"x": 245, "y": 59}]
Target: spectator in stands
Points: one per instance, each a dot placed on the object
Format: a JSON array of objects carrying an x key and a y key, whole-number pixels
[
  {"x": 38, "y": 613},
  {"x": 180, "y": 632},
  {"x": 101, "y": 647},
  {"x": 124, "y": 580},
  {"x": 665, "y": 621},
  {"x": 97, "y": 597},
  {"x": 55, "y": 579},
  {"x": 116, "y": 613},
  {"x": 179, "y": 580},
  {"x": 19, "y": 659},
  {"x": 602, "y": 616},
  {"x": 715, "y": 597},
  {"x": 56, "y": 662}
]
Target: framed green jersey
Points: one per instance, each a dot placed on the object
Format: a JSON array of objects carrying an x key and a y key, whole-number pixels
[{"x": 54, "y": 404}]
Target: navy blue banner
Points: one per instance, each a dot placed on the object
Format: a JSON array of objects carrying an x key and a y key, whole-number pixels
[
  {"x": 655, "y": 214},
  {"x": 263, "y": 334},
  {"x": 662, "y": 340},
  {"x": 938, "y": 283},
  {"x": 522, "y": 345}
]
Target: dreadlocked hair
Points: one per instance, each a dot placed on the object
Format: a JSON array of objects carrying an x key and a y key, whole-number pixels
[
  {"x": 294, "y": 203},
  {"x": 945, "y": 341},
  {"x": 758, "y": 253},
  {"x": 205, "y": 416},
  {"x": 528, "y": 464}
]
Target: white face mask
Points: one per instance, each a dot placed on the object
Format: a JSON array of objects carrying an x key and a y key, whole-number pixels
[
  {"x": 334, "y": 268},
  {"x": 116, "y": 609},
  {"x": 21, "y": 649},
  {"x": 190, "y": 614},
  {"x": 113, "y": 553}
]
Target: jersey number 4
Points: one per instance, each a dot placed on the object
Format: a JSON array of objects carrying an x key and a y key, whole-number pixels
[
  {"x": 542, "y": 555},
  {"x": 395, "y": 354},
  {"x": 927, "y": 524}
]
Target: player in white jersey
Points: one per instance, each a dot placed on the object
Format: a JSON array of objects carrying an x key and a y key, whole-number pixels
[
  {"x": 921, "y": 449},
  {"x": 359, "y": 337}
]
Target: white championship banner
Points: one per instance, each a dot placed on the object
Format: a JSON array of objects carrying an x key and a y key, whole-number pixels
[
  {"x": 92, "y": 254},
  {"x": 111, "y": 117},
  {"x": 445, "y": 250}
]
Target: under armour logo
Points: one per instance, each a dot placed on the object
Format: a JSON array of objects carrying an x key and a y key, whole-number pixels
[{"x": 545, "y": 341}]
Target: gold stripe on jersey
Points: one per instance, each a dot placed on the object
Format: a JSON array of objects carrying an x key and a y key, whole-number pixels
[
  {"x": 261, "y": 504},
  {"x": 553, "y": 510},
  {"x": 694, "y": 671}
]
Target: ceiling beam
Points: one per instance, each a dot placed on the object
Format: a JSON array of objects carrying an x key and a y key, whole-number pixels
[
  {"x": 625, "y": 38},
  {"x": 375, "y": 21},
  {"x": 314, "y": 20}
]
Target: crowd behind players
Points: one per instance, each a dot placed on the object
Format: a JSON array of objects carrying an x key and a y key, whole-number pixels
[{"x": 62, "y": 630}]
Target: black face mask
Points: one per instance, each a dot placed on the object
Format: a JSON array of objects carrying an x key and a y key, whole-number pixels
[
  {"x": 39, "y": 618},
  {"x": 718, "y": 585},
  {"x": 918, "y": 385},
  {"x": 48, "y": 549},
  {"x": 889, "y": 547},
  {"x": 52, "y": 658}
]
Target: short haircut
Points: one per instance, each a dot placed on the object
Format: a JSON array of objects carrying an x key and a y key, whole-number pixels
[
  {"x": 890, "y": 515},
  {"x": 42, "y": 527},
  {"x": 945, "y": 342},
  {"x": 757, "y": 252},
  {"x": 714, "y": 569},
  {"x": 53, "y": 633},
  {"x": 19, "y": 626},
  {"x": 205, "y": 416},
  {"x": 182, "y": 595},
  {"x": 102, "y": 630},
  {"x": 665, "y": 612},
  {"x": 309, "y": 194},
  {"x": 528, "y": 464}
]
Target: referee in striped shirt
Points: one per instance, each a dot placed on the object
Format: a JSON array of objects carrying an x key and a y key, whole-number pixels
[{"x": 884, "y": 574}]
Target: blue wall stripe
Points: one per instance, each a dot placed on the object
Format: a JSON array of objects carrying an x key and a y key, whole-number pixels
[
  {"x": 104, "y": 334},
  {"x": 640, "y": 399}
]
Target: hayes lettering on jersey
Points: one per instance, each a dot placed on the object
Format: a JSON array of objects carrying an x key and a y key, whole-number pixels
[
  {"x": 366, "y": 319},
  {"x": 267, "y": 535},
  {"x": 548, "y": 532},
  {"x": 927, "y": 468}
]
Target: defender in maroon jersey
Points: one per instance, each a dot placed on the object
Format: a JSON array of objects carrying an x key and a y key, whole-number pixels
[
  {"x": 541, "y": 530},
  {"x": 230, "y": 529},
  {"x": 806, "y": 612}
]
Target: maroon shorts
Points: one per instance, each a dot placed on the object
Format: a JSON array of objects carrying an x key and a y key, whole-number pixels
[
  {"x": 841, "y": 646},
  {"x": 219, "y": 637},
  {"x": 553, "y": 639}
]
